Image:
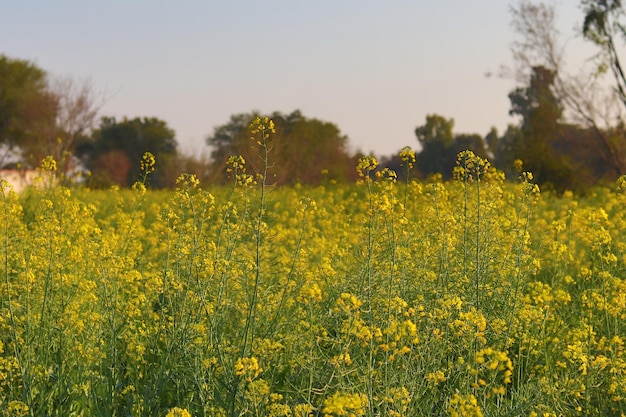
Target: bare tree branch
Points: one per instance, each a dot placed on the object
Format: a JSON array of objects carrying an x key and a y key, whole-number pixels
[
  {"x": 78, "y": 108},
  {"x": 584, "y": 100}
]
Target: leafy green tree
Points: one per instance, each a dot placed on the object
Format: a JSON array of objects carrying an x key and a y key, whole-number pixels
[
  {"x": 440, "y": 146},
  {"x": 435, "y": 138},
  {"x": 473, "y": 142},
  {"x": 541, "y": 130},
  {"x": 26, "y": 105},
  {"x": 303, "y": 150},
  {"x": 41, "y": 117},
  {"x": 232, "y": 138},
  {"x": 117, "y": 147},
  {"x": 502, "y": 149}
]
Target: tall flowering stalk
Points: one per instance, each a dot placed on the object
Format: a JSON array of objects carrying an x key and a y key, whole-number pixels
[
  {"x": 261, "y": 129},
  {"x": 472, "y": 169},
  {"x": 407, "y": 156},
  {"x": 365, "y": 168}
]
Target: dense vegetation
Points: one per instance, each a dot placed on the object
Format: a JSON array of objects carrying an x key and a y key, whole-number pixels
[
  {"x": 463, "y": 298},
  {"x": 274, "y": 279}
]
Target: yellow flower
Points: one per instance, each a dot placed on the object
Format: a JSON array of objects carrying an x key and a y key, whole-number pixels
[
  {"x": 263, "y": 126},
  {"x": 48, "y": 164},
  {"x": 303, "y": 410},
  {"x": 248, "y": 367},
  {"x": 187, "y": 181},
  {"x": 345, "y": 405},
  {"x": 310, "y": 294},
  {"x": 366, "y": 165},
  {"x": 436, "y": 377},
  {"x": 407, "y": 155},
  {"x": 348, "y": 302},
  {"x": 178, "y": 412},
  {"x": 464, "y": 406},
  {"x": 18, "y": 408},
  {"x": 621, "y": 184},
  {"x": 148, "y": 161},
  {"x": 342, "y": 359},
  {"x": 470, "y": 167}
]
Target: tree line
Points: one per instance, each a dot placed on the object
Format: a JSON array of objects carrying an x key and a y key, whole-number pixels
[{"x": 570, "y": 131}]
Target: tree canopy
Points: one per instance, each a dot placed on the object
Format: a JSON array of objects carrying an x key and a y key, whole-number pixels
[
  {"x": 541, "y": 113},
  {"x": 118, "y": 146},
  {"x": 40, "y": 116},
  {"x": 26, "y": 106},
  {"x": 570, "y": 132},
  {"x": 303, "y": 150},
  {"x": 440, "y": 146}
]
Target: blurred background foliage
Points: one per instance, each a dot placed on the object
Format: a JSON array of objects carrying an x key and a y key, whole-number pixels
[{"x": 569, "y": 130}]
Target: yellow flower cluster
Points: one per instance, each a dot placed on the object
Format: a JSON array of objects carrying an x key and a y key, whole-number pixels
[
  {"x": 187, "y": 182},
  {"x": 348, "y": 405},
  {"x": 464, "y": 406},
  {"x": 263, "y": 126},
  {"x": 436, "y": 377},
  {"x": 407, "y": 156},
  {"x": 237, "y": 165},
  {"x": 148, "y": 162},
  {"x": 397, "y": 400},
  {"x": 366, "y": 165},
  {"x": 494, "y": 368},
  {"x": 348, "y": 303},
  {"x": 311, "y": 293},
  {"x": 178, "y": 412},
  {"x": 470, "y": 167},
  {"x": 248, "y": 368}
]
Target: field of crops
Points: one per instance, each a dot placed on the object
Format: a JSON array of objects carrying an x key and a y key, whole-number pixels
[{"x": 476, "y": 297}]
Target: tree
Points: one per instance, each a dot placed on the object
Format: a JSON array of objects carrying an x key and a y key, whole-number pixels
[
  {"x": 231, "y": 138},
  {"x": 65, "y": 119},
  {"x": 435, "y": 138},
  {"x": 117, "y": 148},
  {"x": 40, "y": 116},
  {"x": 303, "y": 150},
  {"x": 25, "y": 102},
  {"x": 77, "y": 108},
  {"x": 502, "y": 149},
  {"x": 541, "y": 112},
  {"x": 602, "y": 26},
  {"x": 172, "y": 166},
  {"x": 440, "y": 146},
  {"x": 581, "y": 96}
]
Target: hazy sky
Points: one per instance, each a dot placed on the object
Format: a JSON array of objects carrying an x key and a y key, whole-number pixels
[{"x": 374, "y": 68}]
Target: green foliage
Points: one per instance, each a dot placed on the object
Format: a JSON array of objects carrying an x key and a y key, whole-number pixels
[
  {"x": 440, "y": 146},
  {"x": 541, "y": 131},
  {"x": 437, "y": 129},
  {"x": 113, "y": 154},
  {"x": 559, "y": 154},
  {"x": 307, "y": 151},
  {"x": 41, "y": 117},
  {"x": 27, "y": 109}
]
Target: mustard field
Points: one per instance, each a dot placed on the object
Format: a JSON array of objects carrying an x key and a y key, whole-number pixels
[{"x": 474, "y": 297}]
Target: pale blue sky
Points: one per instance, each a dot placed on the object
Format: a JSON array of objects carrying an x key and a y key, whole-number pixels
[{"x": 374, "y": 68}]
